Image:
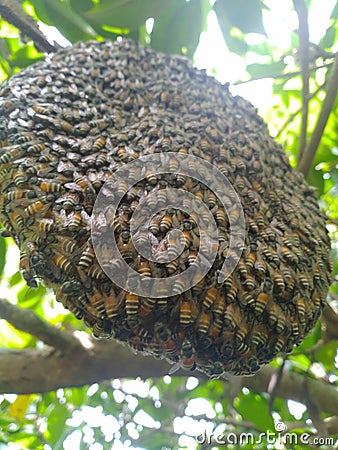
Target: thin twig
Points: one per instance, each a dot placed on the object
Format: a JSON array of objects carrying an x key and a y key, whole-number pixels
[
  {"x": 305, "y": 163},
  {"x": 284, "y": 75},
  {"x": 275, "y": 381},
  {"x": 12, "y": 12},
  {"x": 295, "y": 114},
  {"x": 330, "y": 317},
  {"x": 27, "y": 321},
  {"x": 303, "y": 32}
]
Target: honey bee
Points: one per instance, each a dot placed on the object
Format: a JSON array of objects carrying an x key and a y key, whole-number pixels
[
  {"x": 219, "y": 305},
  {"x": 279, "y": 344},
  {"x": 278, "y": 282},
  {"x": 276, "y": 317},
  {"x": 185, "y": 238},
  {"x": 240, "y": 336},
  {"x": 101, "y": 329},
  {"x": 147, "y": 305},
  {"x": 10, "y": 154},
  {"x": 215, "y": 327},
  {"x": 203, "y": 323},
  {"x": 87, "y": 258},
  {"x": 113, "y": 304},
  {"x": 261, "y": 302},
  {"x": 259, "y": 336},
  {"x": 185, "y": 314},
  {"x": 101, "y": 124},
  {"x": 232, "y": 316},
  {"x": 71, "y": 287},
  {"x": 127, "y": 251},
  {"x": 36, "y": 148},
  {"x": 95, "y": 271},
  {"x": 286, "y": 254},
  {"x": 164, "y": 97},
  {"x": 44, "y": 225},
  {"x": 192, "y": 257},
  {"x": 178, "y": 287},
  {"x": 252, "y": 225},
  {"x": 188, "y": 360},
  {"x": 75, "y": 221},
  {"x": 210, "y": 297},
  {"x": 242, "y": 269},
  {"x": 99, "y": 143},
  {"x": 66, "y": 245},
  {"x": 301, "y": 309},
  {"x": 250, "y": 260},
  {"x": 150, "y": 176},
  {"x": 304, "y": 281},
  {"x": 166, "y": 223},
  {"x": 172, "y": 266},
  {"x": 35, "y": 208},
  {"x": 18, "y": 219},
  {"x": 51, "y": 187},
  {"x": 62, "y": 262},
  {"x": 144, "y": 268},
  {"x": 166, "y": 142},
  {"x": 231, "y": 293},
  {"x": 97, "y": 301},
  {"x": 164, "y": 336},
  {"x": 19, "y": 177},
  {"x": 132, "y": 302},
  {"x": 221, "y": 218}
]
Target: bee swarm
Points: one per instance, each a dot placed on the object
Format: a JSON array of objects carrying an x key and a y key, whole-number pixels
[{"x": 68, "y": 123}]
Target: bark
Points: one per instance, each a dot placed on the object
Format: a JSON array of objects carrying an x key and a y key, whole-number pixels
[{"x": 85, "y": 360}]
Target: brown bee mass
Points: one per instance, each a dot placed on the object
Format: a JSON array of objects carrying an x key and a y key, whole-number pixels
[{"x": 67, "y": 124}]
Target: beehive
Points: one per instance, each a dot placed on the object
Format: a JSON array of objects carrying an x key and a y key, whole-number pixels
[{"x": 68, "y": 123}]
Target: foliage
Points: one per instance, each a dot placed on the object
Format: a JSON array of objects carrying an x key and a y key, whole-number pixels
[{"x": 168, "y": 413}]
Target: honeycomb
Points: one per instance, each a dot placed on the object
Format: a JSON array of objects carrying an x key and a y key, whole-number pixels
[{"x": 67, "y": 124}]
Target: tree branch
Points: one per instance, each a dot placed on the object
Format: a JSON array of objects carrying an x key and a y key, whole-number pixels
[
  {"x": 291, "y": 388},
  {"x": 303, "y": 31},
  {"x": 34, "y": 371},
  {"x": 25, "y": 320},
  {"x": 283, "y": 75},
  {"x": 12, "y": 12},
  {"x": 306, "y": 161},
  {"x": 295, "y": 114}
]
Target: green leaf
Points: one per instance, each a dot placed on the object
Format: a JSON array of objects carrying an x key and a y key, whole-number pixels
[
  {"x": 329, "y": 38},
  {"x": 243, "y": 14},
  {"x": 182, "y": 22},
  {"x": 76, "y": 396},
  {"x": 315, "y": 178},
  {"x": 25, "y": 56},
  {"x": 254, "y": 408},
  {"x": 235, "y": 44},
  {"x": 29, "y": 297},
  {"x": 60, "y": 14},
  {"x": 3, "y": 250},
  {"x": 326, "y": 355},
  {"x": 334, "y": 13},
  {"x": 129, "y": 14},
  {"x": 205, "y": 9},
  {"x": 56, "y": 423},
  {"x": 300, "y": 361},
  {"x": 81, "y": 6},
  {"x": 265, "y": 70}
]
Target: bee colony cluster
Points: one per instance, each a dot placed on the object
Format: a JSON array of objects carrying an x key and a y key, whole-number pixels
[{"x": 66, "y": 124}]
